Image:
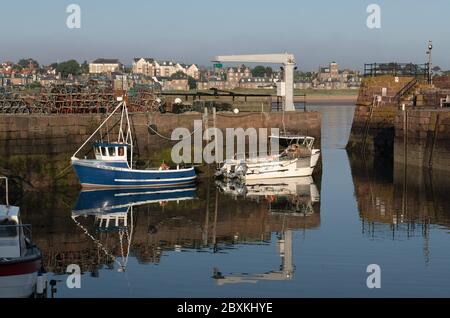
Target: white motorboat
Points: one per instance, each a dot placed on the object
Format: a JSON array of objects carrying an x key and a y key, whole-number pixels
[
  {"x": 293, "y": 196},
  {"x": 20, "y": 259},
  {"x": 298, "y": 158}
]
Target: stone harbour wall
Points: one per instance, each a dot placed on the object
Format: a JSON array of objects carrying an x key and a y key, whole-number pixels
[
  {"x": 36, "y": 149},
  {"x": 426, "y": 140}
]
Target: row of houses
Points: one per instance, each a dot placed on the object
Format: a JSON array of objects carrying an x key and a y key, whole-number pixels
[
  {"x": 247, "y": 83},
  {"x": 152, "y": 67},
  {"x": 331, "y": 77},
  {"x": 172, "y": 75},
  {"x": 145, "y": 66}
]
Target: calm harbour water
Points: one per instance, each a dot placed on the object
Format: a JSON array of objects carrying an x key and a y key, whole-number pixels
[{"x": 236, "y": 247}]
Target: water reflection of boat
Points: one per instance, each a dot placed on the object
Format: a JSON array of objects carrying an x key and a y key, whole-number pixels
[
  {"x": 110, "y": 201},
  {"x": 113, "y": 214},
  {"x": 289, "y": 195},
  {"x": 20, "y": 259}
]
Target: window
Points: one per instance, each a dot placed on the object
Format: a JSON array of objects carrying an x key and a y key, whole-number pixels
[
  {"x": 8, "y": 228},
  {"x": 97, "y": 150},
  {"x": 112, "y": 151},
  {"x": 121, "y": 151},
  {"x": 104, "y": 152}
]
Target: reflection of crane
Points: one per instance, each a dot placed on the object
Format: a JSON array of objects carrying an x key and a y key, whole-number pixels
[
  {"x": 288, "y": 61},
  {"x": 285, "y": 272}
]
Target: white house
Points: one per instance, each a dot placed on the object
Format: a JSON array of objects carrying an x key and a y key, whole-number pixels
[{"x": 104, "y": 66}]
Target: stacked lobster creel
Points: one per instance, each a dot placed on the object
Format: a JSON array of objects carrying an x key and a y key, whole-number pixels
[{"x": 12, "y": 103}]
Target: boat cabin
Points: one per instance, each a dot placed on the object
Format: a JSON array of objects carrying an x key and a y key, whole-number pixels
[
  {"x": 287, "y": 141},
  {"x": 111, "y": 151},
  {"x": 12, "y": 238},
  {"x": 111, "y": 222}
]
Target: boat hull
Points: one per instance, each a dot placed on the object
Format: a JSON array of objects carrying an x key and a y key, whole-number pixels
[
  {"x": 18, "y": 276},
  {"x": 94, "y": 176},
  {"x": 118, "y": 200},
  {"x": 272, "y": 169}
]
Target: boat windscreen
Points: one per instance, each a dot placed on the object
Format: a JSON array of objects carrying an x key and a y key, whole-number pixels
[
  {"x": 8, "y": 228},
  {"x": 286, "y": 142}
]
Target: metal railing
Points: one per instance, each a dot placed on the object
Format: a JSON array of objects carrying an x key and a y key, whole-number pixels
[
  {"x": 405, "y": 90},
  {"x": 397, "y": 69}
]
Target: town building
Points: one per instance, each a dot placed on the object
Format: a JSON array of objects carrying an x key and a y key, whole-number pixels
[
  {"x": 173, "y": 84},
  {"x": 48, "y": 80},
  {"x": 235, "y": 74},
  {"x": 257, "y": 83},
  {"x": 213, "y": 82},
  {"x": 102, "y": 65},
  {"x": 152, "y": 67},
  {"x": 144, "y": 65},
  {"x": 330, "y": 77}
]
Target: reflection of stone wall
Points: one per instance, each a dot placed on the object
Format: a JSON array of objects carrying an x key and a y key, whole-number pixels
[
  {"x": 422, "y": 194},
  {"x": 395, "y": 206},
  {"x": 156, "y": 228}
]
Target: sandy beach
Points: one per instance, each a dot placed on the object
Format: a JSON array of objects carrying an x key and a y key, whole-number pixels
[{"x": 327, "y": 99}]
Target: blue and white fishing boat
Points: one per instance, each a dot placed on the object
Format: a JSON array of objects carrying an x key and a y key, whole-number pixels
[
  {"x": 113, "y": 163},
  {"x": 108, "y": 201}
]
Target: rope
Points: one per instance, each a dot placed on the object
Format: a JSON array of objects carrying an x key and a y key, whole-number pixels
[
  {"x": 96, "y": 241},
  {"x": 167, "y": 138}
]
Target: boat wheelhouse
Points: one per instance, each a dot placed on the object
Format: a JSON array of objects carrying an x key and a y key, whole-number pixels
[
  {"x": 297, "y": 158},
  {"x": 112, "y": 166}
]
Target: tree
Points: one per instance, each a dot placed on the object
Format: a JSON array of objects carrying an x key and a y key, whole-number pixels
[
  {"x": 192, "y": 82},
  {"x": 25, "y": 63},
  {"x": 69, "y": 67},
  {"x": 259, "y": 71},
  {"x": 85, "y": 68},
  {"x": 269, "y": 71},
  {"x": 17, "y": 67},
  {"x": 178, "y": 75}
]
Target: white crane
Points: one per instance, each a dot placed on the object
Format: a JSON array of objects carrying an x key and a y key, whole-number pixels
[{"x": 288, "y": 61}]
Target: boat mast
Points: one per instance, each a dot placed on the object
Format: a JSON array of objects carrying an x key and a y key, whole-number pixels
[
  {"x": 95, "y": 132},
  {"x": 129, "y": 136}
]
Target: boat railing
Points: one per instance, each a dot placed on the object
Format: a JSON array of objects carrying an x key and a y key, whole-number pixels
[
  {"x": 251, "y": 155},
  {"x": 6, "y": 190},
  {"x": 27, "y": 228},
  {"x": 22, "y": 231},
  {"x": 148, "y": 166}
]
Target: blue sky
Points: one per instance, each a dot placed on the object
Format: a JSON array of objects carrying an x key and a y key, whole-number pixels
[{"x": 196, "y": 30}]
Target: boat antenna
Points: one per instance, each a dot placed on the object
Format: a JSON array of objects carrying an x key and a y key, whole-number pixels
[{"x": 128, "y": 139}]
